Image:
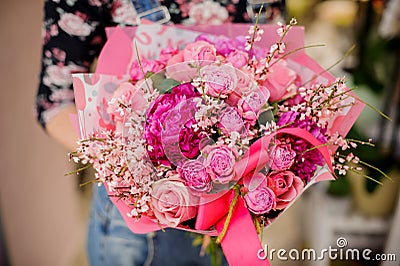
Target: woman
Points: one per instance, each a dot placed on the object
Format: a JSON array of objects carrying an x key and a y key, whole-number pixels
[{"x": 73, "y": 35}]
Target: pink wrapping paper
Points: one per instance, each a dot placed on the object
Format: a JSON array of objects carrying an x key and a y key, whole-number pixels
[{"x": 114, "y": 61}]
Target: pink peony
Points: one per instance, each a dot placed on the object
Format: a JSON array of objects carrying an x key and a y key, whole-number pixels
[
  {"x": 172, "y": 202},
  {"x": 194, "y": 175},
  {"x": 282, "y": 156},
  {"x": 220, "y": 163},
  {"x": 286, "y": 186},
  {"x": 220, "y": 81},
  {"x": 260, "y": 198},
  {"x": 178, "y": 137},
  {"x": 231, "y": 120}
]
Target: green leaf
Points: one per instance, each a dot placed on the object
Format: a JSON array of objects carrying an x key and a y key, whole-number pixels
[{"x": 161, "y": 83}]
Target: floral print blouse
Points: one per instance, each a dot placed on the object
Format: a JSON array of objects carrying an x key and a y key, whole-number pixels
[{"x": 73, "y": 34}]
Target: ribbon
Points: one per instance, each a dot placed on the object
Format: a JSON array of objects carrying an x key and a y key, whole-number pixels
[
  {"x": 241, "y": 228},
  {"x": 241, "y": 243}
]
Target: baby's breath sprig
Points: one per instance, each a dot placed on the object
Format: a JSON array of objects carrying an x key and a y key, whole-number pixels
[{"x": 254, "y": 35}]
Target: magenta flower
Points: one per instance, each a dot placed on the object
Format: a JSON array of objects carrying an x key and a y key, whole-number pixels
[
  {"x": 305, "y": 162},
  {"x": 172, "y": 131}
]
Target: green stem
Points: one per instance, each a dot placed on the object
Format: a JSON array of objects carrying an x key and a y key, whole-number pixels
[
  {"x": 78, "y": 170},
  {"x": 293, "y": 51},
  {"x": 88, "y": 182},
  {"x": 332, "y": 66},
  {"x": 229, "y": 216},
  {"x": 366, "y": 176},
  {"x": 254, "y": 33}
]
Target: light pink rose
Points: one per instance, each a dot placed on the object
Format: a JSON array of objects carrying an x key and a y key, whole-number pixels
[
  {"x": 286, "y": 186},
  {"x": 137, "y": 69},
  {"x": 172, "y": 202},
  {"x": 282, "y": 156},
  {"x": 259, "y": 198},
  {"x": 231, "y": 120},
  {"x": 194, "y": 175},
  {"x": 280, "y": 81},
  {"x": 220, "y": 81},
  {"x": 166, "y": 54},
  {"x": 245, "y": 83},
  {"x": 199, "y": 51},
  {"x": 251, "y": 104},
  {"x": 127, "y": 94},
  {"x": 220, "y": 164},
  {"x": 74, "y": 25},
  {"x": 237, "y": 58}
]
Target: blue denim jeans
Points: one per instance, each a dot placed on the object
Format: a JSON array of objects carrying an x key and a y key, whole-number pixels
[{"x": 111, "y": 242}]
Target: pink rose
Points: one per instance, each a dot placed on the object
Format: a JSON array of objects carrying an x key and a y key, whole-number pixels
[
  {"x": 231, "y": 120},
  {"x": 282, "y": 156},
  {"x": 220, "y": 81},
  {"x": 237, "y": 58},
  {"x": 194, "y": 175},
  {"x": 199, "y": 51},
  {"x": 260, "y": 198},
  {"x": 136, "y": 71},
  {"x": 172, "y": 202},
  {"x": 127, "y": 94},
  {"x": 220, "y": 164},
  {"x": 74, "y": 25},
  {"x": 167, "y": 53},
  {"x": 251, "y": 104},
  {"x": 286, "y": 186},
  {"x": 280, "y": 81},
  {"x": 245, "y": 82}
]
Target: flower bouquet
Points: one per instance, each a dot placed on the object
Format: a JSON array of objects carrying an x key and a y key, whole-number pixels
[{"x": 212, "y": 134}]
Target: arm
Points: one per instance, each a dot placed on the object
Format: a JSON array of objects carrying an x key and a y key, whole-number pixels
[
  {"x": 60, "y": 128},
  {"x": 72, "y": 37}
]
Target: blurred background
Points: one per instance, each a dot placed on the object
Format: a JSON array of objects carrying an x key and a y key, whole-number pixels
[{"x": 43, "y": 213}]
